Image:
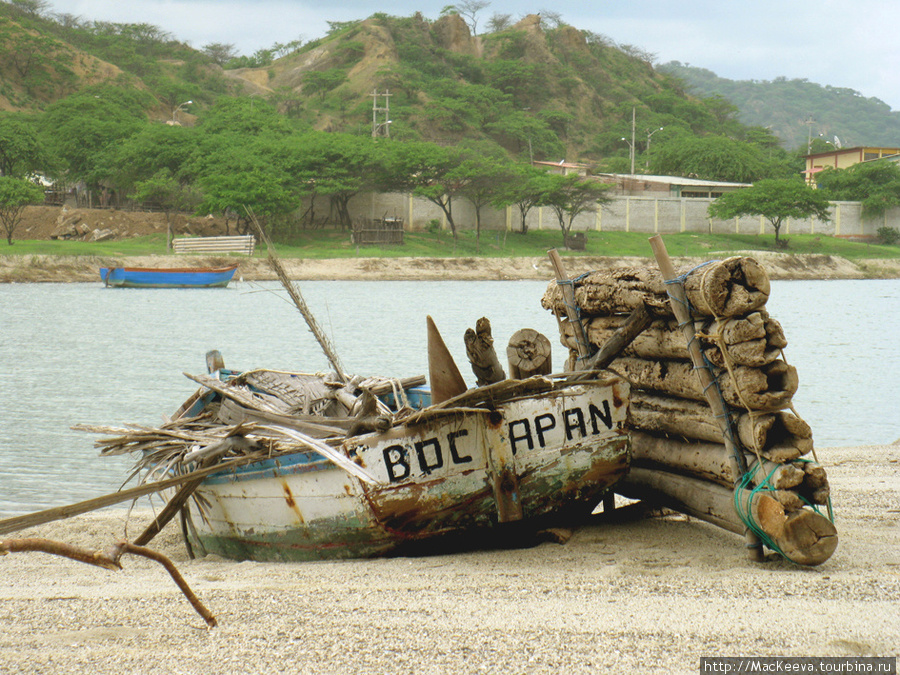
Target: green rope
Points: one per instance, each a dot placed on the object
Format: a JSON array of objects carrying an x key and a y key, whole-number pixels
[{"x": 747, "y": 517}]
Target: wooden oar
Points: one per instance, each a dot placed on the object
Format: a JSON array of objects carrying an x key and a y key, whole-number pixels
[
  {"x": 16, "y": 523},
  {"x": 299, "y": 302}
]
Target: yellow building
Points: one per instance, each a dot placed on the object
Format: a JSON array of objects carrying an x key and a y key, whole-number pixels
[{"x": 841, "y": 158}]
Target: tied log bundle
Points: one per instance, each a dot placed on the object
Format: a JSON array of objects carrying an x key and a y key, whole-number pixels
[
  {"x": 732, "y": 287},
  {"x": 768, "y": 388},
  {"x": 752, "y": 340},
  {"x": 792, "y": 483},
  {"x": 780, "y": 435},
  {"x": 680, "y": 456}
]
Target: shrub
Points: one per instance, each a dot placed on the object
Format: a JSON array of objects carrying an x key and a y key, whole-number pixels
[{"x": 888, "y": 235}]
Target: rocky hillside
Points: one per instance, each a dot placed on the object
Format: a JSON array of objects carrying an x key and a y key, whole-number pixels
[
  {"x": 541, "y": 90},
  {"x": 550, "y": 91}
]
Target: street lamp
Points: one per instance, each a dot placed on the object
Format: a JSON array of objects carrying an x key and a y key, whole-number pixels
[
  {"x": 382, "y": 129},
  {"x": 177, "y": 108},
  {"x": 649, "y": 136}
]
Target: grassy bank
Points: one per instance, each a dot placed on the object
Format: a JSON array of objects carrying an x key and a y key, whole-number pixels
[{"x": 322, "y": 244}]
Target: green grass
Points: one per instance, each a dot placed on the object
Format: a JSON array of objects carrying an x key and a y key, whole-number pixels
[{"x": 493, "y": 244}]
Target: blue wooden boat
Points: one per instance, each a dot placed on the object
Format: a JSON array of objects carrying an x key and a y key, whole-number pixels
[{"x": 173, "y": 277}]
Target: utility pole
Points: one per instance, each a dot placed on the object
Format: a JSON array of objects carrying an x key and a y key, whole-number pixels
[
  {"x": 381, "y": 128},
  {"x": 650, "y": 133},
  {"x": 632, "y": 139},
  {"x": 809, "y": 121}
]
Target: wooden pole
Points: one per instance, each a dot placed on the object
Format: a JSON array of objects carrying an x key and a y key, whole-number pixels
[
  {"x": 568, "y": 290},
  {"x": 634, "y": 325},
  {"x": 16, "y": 523},
  {"x": 299, "y": 302},
  {"x": 678, "y": 302}
]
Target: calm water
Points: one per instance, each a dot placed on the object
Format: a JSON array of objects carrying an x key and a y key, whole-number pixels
[{"x": 81, "y": 353}]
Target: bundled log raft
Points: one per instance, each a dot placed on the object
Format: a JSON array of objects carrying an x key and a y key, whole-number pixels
[{"x": 681, "y": 456}]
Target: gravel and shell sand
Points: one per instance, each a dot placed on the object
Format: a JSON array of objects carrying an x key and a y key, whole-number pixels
[{"x": 637, "y": 593}]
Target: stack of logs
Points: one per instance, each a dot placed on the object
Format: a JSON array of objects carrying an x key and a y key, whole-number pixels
[{"x": 680, "y": 456}]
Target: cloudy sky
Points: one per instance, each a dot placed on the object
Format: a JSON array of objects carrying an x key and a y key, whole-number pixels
[{"x": 841, "y": 43}]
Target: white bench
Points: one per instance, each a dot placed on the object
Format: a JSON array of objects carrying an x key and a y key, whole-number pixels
[{"x": 239, "y": 244}]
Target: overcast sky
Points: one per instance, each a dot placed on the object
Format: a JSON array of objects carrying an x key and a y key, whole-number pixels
[{"x": 841, "y": 43}]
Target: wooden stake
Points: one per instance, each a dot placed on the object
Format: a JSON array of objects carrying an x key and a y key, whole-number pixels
[
  {"x": 678, "y": 302},
  {"x": 562, "y": 278}
]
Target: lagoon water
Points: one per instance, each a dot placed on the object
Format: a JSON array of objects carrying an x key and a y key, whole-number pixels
[{"x": 82, "y": 353}]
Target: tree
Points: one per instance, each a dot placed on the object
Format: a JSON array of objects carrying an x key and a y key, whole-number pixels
[
  {"x": 709, "y": 158},
  {"x": 335, "y": 165},
  {"x": 876, "y": 185},
  {"x": 33, "y": 7},
  {"x": 499, "y": 22},
  {"x": 468, "y": 9},
  {"x": 83, "y": 129},
  {"x": 424, "y": 169},
  {"x": 321, "y": 82},
  {"x": 165, "y": 191},
  {"x": 246, "y": 172},
  {"x": 570, "y": 195},
  {"x": 242, "y": 116},
  {"x": 483, "y": 169},
  {"x": 525, "y": 187},
  {"x": 775, "y": 199},
  {"x": 15, "y": 195},
  {"x": 152, "y": 149},
  {"x": 21, "y": 151},
  {"x": 220, "y": 52}
]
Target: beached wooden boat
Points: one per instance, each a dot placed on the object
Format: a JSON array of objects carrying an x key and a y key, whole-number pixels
[
  {"x": 173, "y": 277},
  {"x": 503, "y": 459}
]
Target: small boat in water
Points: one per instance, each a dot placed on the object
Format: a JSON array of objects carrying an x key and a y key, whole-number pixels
[{"x": 173, "y": 277}]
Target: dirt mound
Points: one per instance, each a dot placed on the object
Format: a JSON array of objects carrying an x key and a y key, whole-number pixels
[{"x": 52, "y": 222}]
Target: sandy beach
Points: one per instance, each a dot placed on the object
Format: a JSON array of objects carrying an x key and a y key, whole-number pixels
[
  {"x": 42, "y": 268},
  {"x": 626, "y": 595}
]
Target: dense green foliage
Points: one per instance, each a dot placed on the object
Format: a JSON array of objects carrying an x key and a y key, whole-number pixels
[
  {"x": 875, "y": 184},
  {"x": 799, "y": 112}
]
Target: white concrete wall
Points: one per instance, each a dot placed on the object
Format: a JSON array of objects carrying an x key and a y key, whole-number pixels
[{"x": 625, "y": 214}]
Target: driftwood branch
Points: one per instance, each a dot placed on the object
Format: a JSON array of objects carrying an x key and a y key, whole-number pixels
[
  {"x": 15, "y": 523},
  {"x": 109, "y": 560}
]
